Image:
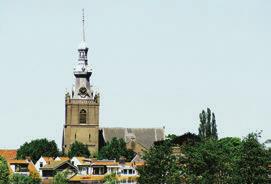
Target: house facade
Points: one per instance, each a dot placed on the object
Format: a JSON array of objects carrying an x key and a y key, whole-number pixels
[{"x": 85, "y": 170}]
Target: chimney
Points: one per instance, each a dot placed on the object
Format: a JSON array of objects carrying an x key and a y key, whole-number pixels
[{"x": 122, "y": 160}]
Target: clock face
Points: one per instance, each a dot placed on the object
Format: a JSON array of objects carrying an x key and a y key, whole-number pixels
[{"x": 83, "y": 92}]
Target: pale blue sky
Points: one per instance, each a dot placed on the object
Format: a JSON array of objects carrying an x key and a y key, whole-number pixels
[{"x": 154, "y": 62}]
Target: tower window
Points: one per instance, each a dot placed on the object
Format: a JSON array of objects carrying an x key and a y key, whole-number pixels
[{"x": 83, "y": 116}]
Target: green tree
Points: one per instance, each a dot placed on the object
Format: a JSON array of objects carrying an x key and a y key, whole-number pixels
[
  {"x": 110, "y": 179},
  {"x": 254, "y": 160},
  {"x": 202, "y": 126},
  {"x": 229, "y": 154},
  {"x": 200, "y": 163},
  {"x": 207, "y": 127},
  {"x": 161, "y": 166},
  {"x": 213, "y": 127},
  {"x": 211, "y": 161},
  {"x": 60, "y": 178},
  {"x": 37, "y": 148},
  {"x": 115, "y": 149},
  {"x": 78, "y": 149},
  {"x": 4, "y": 171}
]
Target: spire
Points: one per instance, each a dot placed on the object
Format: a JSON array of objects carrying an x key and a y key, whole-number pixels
[
  {"x": 83, "y": 24},
  {"x": 82, "y": 70},
  {"x": 83, "y": 44}
]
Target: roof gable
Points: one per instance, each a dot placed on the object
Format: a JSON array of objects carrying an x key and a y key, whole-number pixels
[
  {"x": 57, "y": 164},
  {"x": 144, "y": 136}
]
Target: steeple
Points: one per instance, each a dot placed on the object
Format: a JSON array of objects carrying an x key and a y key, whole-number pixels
[
  {"x": 83, "y": 49},
  {"x": 82, "y": 107},
  {"x": 82, "y": 70}
]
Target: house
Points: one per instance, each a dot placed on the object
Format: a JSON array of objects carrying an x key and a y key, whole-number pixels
[
  {"x": 125, "y": 171},
  {"x": 8, "y": 154},
  {"x": 42, "y": 162},
  {"x": 101, "y": 167},
  {"x": 82, "y": 164},
  {"x": 53, "y": 167},
  {"x": 23, "y": 167}
]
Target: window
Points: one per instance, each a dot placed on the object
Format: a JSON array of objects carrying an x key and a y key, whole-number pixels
[
  {"x": 83, "y": 116},
  {"x": 41, "y": 164}
]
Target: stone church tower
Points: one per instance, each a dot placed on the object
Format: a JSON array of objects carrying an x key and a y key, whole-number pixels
[{"x": 82, "y": 106}]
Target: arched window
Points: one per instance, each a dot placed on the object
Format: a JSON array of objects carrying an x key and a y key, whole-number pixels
[{"x": 83, "y": 116}]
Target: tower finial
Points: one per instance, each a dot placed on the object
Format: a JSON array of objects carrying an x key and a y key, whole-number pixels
[{"x": 83, "y": 24}]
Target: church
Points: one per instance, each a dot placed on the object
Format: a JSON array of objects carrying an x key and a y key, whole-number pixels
[{"x": 82, "y": 114}]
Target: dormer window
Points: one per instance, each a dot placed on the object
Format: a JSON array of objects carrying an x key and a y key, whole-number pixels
[{"x": 83, "y": 116}]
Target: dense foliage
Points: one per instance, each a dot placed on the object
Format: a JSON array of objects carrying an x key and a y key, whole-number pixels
[
  {"x": 78, "y": 149},
  {"x": 4, "y": 171},
  {"x": 207, "y": 161},
  {"x": 22, "y": 179},
  {"x": 115, "y": 149},
  {"x": 254, "y": 160},
  {"x": 60, "y": 178},
  {"x": 161, "y": 165},
  {"x": 211, "y": 161},
  {"x": 207, "y": 127},
  {"x": 110, "y": 179},
  {"x": 37, "y": 148}
]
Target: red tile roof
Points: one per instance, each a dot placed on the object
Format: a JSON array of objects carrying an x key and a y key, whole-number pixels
[{"x": 8, "y": 154}]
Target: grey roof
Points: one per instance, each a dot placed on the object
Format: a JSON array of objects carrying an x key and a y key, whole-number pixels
[
  {"x": 144, "y": 136},
  {"x": 137, "y": 158},
  {"x": 56, "y": 164}
]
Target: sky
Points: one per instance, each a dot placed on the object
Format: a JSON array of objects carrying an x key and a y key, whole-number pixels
[{"x": 155, "y": 63}]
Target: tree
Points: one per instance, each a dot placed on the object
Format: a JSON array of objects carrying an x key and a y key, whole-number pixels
[
  {"x": 4, "y": 171},
  {"x": 200, "y": 163},
  {"x": 78, "y": 149},
  {"x": 213, "y": 127},
  {"x": 207, "y": 127},
  {"x": 186, "y": 139},
  {"x": 229, "y": 154},
  {"x": 211, "y": 161},
  {"x": 20, "y": 179},
  {"x": 115, "y": 149},
  {"x": 202, "y": 126},
  {"x": 110, "y": 178},
  {"x": 60, "y": 178},
  {"x": 37, "y": 148},
  {"x": 254, "y": 160},
  {"x": 161, "y": 166}
]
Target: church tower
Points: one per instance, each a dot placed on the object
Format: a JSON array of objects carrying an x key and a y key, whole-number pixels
[{"x": 82, "y": 106}]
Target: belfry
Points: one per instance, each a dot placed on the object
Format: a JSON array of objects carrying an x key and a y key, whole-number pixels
[{"x": 82, "y": 105}]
